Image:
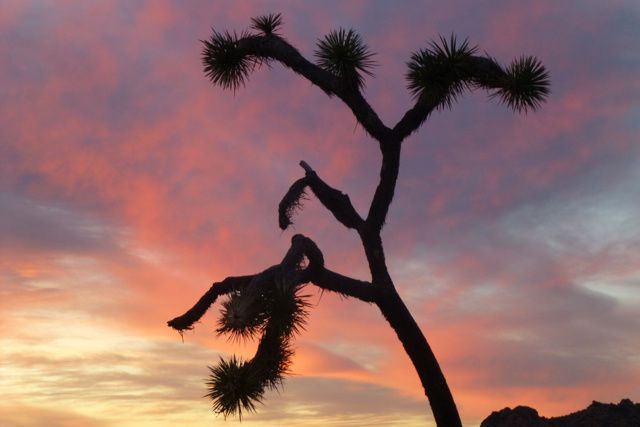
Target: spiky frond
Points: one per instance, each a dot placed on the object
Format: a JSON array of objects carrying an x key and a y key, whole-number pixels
[
  {"x": 289, "y": 310},
  {"x": 291, "y": 203},
  {"x": 343, "y": 53},
  {"x": 267, "y": 24},
  {"x": 224, "y": 63},
  {"x": 236, "y": 386},
  {"x": 232, "y": 388},
  {"x": 242, "y": 315},
  {"x": 272, "y": 360},
  {"x": 525, "y": 86},
  {"x": 441, "y": 70},
  {"x": 270, "y": 306}
]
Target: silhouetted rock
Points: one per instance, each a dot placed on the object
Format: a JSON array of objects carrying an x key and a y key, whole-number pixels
[
  {"x": 521, "y": 416},
  {"x": 624, "y": 414}
]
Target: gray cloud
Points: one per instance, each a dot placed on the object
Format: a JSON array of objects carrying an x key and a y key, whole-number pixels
[
  {"x": 322, "y": 401},
  {"x": 36, "y": 226}
]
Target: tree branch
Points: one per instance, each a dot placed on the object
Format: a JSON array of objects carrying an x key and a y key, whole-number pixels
[
  {"x": 346, "y": 286},
  {"x": 301, "y": 246},
  {"x": 414, "y": 118},
  {"x": 291, "y": 202},
  {"x": 386, "y": 187},
  {"x": 194, "y": 314},
  {"x": 274, "y": 47},
  {"x": 336, "y": 201},
  {"x": 479, "y": 71},
  {"x": 326, "y": 279},
  {"x": 313, "y": 254}
]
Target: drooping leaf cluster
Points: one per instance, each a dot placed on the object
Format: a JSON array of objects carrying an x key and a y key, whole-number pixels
[
  {"x": 232, "y": 388},
  {"x": 275, "y": 311},
  {"x": 291, "y": 202}
]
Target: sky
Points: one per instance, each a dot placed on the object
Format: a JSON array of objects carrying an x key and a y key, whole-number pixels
[{"x": 128, "y": 184}]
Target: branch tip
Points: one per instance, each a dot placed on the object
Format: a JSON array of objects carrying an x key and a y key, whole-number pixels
[{"x": 304, "y": 165}]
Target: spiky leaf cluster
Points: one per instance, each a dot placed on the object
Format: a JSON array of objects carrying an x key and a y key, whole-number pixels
[
  {"x": 525, "y": 86},
  {"x": 246, "y": 312},
  {"x": 441, "y": 71},
  {"x": 224, "y": 63},
  {"x": 232, "y": 388},
  {"x": 242, "y": 315},
  {"x": 272, "y": 359},
  {"x": 277, "y": 312},
  {"x": 344, "y": 54},
  {"x": 287, "y": 308},
  {"x": 267, "y": 24},
  {"x": 235, "y": 385}
]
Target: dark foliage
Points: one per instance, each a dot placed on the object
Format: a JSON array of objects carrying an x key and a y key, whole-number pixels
[
  {"x": 288, "y": 310},
  {"x": 224, "y": 64},
  {"x": 343, "y": 53},
  {"x": 525, "y": 86},
  {"x": 267, "y": 24},
  {"x": 232, "y": 388},
  {"x": 242, "y": 315},
  {"x": 275, "y": 311},
  {"x": 272, "y": 360},
  {"x": 442, "y": 71}
]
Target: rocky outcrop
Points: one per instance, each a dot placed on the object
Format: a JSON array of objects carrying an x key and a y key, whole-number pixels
[{"x": 624, "y": 414}]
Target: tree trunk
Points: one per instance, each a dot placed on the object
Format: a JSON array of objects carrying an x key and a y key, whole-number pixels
[
  {"x": 415, "y": 344},
  {"x": 426, "y": 365}
]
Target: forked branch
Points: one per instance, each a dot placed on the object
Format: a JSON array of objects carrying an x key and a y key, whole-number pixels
[
  {"x": 229, "y": 59},
  {"x": 315, "y": 271},
  {"x": 442, "y": 72},
  {"x": 196, "y": 312}
]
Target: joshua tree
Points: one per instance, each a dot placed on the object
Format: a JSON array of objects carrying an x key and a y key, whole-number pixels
[{"x": 269, "y": 304}]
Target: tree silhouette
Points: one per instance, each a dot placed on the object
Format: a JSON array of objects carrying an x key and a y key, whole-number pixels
[{"x": 269, "y": 304}]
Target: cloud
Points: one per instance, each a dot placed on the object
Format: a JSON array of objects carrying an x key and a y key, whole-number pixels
[
  {"x": 312, "y": 360},
  {"x": 29, "y": 416},
  {"x": 325, "y": 401},
  {"x": 29, "y": 225}
]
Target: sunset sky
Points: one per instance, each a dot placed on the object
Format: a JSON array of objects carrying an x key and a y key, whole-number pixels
[{"x": 128, "y": 184}]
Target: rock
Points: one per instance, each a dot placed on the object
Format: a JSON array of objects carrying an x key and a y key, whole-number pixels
[
  {"x": 520, "y": 416},
  {"x": 624, "y": 414}
]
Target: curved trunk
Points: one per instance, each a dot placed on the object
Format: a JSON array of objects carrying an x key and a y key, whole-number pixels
[
  {"x": 414, "y": 342},
  {"x": 387, "y": 299},
  {"x": 426, "y": 365}
]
